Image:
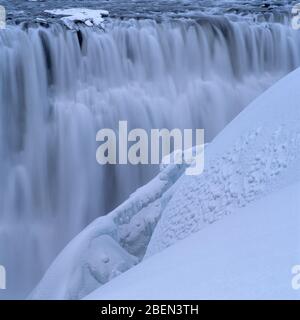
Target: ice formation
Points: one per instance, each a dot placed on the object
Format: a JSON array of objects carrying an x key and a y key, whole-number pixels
[
  {"x": 70, "y": 17},
  {"x": 111, "y": 244}
]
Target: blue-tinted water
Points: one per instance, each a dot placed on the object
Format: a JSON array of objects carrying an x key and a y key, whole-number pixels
[
  {"x": 19, "y": 10},
  {"x": 58, "y": 87}
]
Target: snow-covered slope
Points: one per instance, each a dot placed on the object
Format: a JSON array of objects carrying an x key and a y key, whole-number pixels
[
  {"x": 249, "y": 255},
  {"x": 110, "y": 245},
  {"x": 256, "y": 155},
  {"x": 252, "y": 173}
]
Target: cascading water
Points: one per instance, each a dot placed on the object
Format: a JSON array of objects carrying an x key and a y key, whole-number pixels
[{"x": 58, "y": 88}]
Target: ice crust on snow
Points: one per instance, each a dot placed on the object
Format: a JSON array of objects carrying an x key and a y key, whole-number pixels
[{"x": 89, "y": 17}]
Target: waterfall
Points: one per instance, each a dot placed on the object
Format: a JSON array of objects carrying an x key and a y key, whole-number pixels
[{"x": 59, "y": 87}]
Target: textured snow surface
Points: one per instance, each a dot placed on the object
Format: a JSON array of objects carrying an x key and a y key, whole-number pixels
[
  {"x": 249, "y": 255},
  {"x": 110, "y": 245},
  {"x": 256, "y": 154}
]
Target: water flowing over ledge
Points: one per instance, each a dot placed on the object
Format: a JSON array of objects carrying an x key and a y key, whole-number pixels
[
  {"x": 58, "y": 88},
  {"x": 279, "y": 10}
]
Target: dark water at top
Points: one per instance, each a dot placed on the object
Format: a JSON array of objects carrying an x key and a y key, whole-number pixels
[{"x": 20, "y": 10}]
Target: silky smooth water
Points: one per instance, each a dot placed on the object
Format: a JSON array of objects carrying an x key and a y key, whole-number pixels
[{"x": 59, "y": 87}]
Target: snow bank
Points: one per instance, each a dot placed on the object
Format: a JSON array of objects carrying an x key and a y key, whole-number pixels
[
  {"x": 256, "y": 154},
  {"x": 252, "y": 172},
  {"x": 110, "y": 245},
  {"x": 72, "y": 16},
  {"x": 249, "y": 255}
]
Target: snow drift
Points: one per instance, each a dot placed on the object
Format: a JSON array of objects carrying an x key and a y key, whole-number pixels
[
  {"x": 110, "y": 245},
  {"x": 249, "y": 255},
  {"x": 254, "y": 157},
  {"x": 256, "y": 154}
]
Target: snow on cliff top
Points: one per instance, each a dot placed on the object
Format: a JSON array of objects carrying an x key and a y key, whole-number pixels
[
  {"x": 249, "y": 255},
  {"x": 90, "y": 17}
]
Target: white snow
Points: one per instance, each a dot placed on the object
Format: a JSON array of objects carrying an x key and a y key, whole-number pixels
[
  {"x": 90, "y": 17},
  {"x": 249, "y": 255},
  {"x": 255, "y": 155},
  {"x": 121, "y": 237},
  {"x": 252, "y": 173}
]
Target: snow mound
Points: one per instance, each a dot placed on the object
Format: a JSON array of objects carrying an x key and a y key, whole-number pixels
[
  {"x": 110, "y": 245},
  {"x": 89, "y": 17},
  {"x": 250, "y": 255},
  {"x": 256, "y": 154}
]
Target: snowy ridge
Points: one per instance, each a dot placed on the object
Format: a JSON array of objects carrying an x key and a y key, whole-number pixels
[
  {"x": 246, "y": 167},
  {"x": 256, "y": 154},
  {"x": 110, "y": 245},
  {"x": 252, "y": 174},
  {"x": 249, "y": 255}
]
